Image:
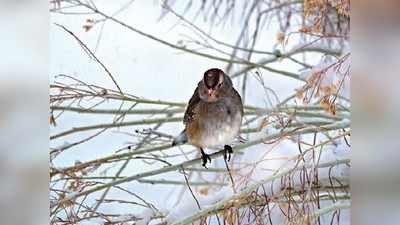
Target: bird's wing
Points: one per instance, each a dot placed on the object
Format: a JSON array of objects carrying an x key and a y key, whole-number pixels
[
  {"x": 190, "y": 110},
  {"x": 238, "y": 99}
]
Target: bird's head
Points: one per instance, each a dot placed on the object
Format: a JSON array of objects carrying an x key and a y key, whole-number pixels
[{"x": 214, "y": 85}]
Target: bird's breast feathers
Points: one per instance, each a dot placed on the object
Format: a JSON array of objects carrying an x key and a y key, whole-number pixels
[{"x": 214, "y": 124}]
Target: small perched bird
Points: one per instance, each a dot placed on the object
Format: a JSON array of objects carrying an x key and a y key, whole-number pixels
[{"x": 213, "y": 116}]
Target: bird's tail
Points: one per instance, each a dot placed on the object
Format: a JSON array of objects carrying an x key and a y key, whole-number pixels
[{"x": 180, "y": 139}]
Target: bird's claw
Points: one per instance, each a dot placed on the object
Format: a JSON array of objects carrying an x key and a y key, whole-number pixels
[
  {"x": 228, "y": 152},
  {"x": 205, "y": 157}
]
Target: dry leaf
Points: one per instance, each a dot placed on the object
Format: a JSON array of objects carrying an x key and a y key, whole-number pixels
[
  {"x": 280, "y": 37},
  {"x": 204, "y": 191},
  {"x": 52, "y": 120},
  {"x": 263, "y": 123},
  {"x": 305, "y": 30},
  {"x": 87, "y": 27}
]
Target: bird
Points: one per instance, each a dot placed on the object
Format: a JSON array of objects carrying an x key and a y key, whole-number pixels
[{"x": 213, "y": 115}]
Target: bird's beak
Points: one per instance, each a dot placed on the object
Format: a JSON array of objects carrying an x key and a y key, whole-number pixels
[{"x": 211, "y": 95}]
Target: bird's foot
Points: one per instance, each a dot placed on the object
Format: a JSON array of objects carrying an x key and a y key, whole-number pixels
[
  {"x": 228, "y": 152},
  {"x": 205, "y": 157}
]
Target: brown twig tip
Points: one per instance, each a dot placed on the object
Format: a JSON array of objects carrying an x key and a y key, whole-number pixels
[
  {"x": 92, "y": 55},
  {"x": 120, "y": 151}
]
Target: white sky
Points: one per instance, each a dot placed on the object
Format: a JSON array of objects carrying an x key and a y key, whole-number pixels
[
  {"x": 144, "y": 68},
  {"x": 141, "y": 66}
]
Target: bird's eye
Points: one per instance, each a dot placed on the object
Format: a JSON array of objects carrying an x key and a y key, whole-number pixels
[{"x": 219, "y": 85}]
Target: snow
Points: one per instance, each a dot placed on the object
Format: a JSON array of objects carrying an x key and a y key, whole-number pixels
[
  {"x": 94, "y": 221},
  {"x": 188, "y": 205},
  {"x": 270, "y": 158},
  {"x": 146, "y": 216},
  {"x": 137, "y": 63}
]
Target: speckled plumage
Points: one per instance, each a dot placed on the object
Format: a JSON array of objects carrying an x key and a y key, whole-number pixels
[
  {"x": 215, "y": 124},
  {"x": 212, "y": 124}
]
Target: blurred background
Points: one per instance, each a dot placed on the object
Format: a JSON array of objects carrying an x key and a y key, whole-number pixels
[
  {"x": 24, "y": 112},
  {"x": 375, "y": 90},
  {"x": 24, "y": 89}
]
